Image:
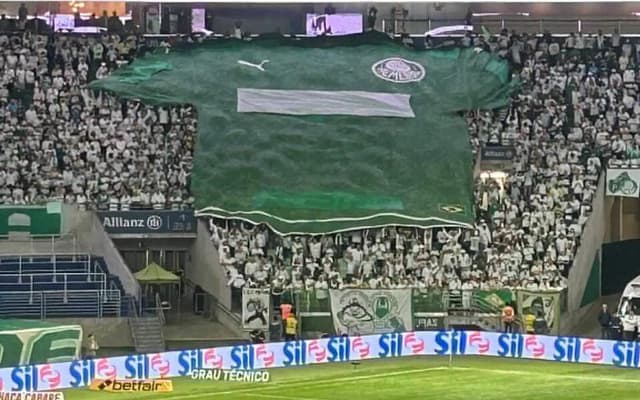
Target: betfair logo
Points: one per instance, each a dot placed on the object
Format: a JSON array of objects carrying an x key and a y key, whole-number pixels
[{"x": 150, "y": 385}]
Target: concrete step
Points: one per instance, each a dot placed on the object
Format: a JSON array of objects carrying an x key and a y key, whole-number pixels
[{"x": 148, "y": 335}]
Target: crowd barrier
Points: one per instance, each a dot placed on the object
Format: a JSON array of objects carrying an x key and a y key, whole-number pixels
[{"x": 336, "y": 349}]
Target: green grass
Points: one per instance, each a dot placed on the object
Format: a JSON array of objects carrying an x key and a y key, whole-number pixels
[{"x": 410, "y": 379}]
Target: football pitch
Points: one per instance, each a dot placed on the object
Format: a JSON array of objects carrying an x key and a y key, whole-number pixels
[{"x": 412, "y": 378}]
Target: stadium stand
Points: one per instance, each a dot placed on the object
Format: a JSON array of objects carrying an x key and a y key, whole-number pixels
[
  {"x": 81, "y": 147},
  {"x": 59, "y": 285},
  {"x": 577, "y": 110}
]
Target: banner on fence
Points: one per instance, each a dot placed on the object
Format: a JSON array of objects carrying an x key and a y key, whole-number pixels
[
  {"x": 255, "y": 309},
  {"x": 495, "y": 299},
  {"x": 428, "y": 321},
  {"x": 148, "y": 222},
  {"x": 623, "y": 182},
  {"x": 541, "y": 304},
  {"x": 364, "y": 312}
]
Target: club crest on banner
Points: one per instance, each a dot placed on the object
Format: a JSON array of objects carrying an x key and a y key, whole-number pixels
[{"x": 398, "y": 70}]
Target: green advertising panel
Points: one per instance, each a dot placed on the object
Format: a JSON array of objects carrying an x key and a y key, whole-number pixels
[
  {"x": 36, "y": 220},
  {"x": 35, "y": 342}
]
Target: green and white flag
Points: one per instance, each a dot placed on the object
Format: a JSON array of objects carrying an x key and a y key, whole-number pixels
[
  {"x": 371, "y": 311},
  {"x": 255, "y": 308},
  {"x": 623, "y": 182},
  {"x": 547, "y": 303}
]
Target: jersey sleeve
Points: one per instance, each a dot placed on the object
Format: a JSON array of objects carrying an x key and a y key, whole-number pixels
[
  {"x": 467, "y": 79},
  {"x": 154, "y": 79}
]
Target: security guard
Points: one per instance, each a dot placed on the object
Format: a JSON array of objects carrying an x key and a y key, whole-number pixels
[
  {"x": 529, "y": 323},
  {"x": 291, "y": 327}
]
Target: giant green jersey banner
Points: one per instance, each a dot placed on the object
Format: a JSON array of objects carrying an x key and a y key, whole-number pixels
[
  {"x": 323, "y": 135},
  {"x": 369, "y": 311}
]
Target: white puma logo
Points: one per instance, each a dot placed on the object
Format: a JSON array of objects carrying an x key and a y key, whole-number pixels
[{"x": 258, "y": 66}]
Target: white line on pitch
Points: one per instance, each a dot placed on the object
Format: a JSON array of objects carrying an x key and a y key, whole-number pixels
[
  {"x": 305, "y": 382},
  {"x": 547, "y": 375},
  {"x": 277, "y": 396}
]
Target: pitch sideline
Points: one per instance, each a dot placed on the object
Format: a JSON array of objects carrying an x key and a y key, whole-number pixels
[
  {"x": 547, "y": 375},
  {"x": 306, "y": 382}
]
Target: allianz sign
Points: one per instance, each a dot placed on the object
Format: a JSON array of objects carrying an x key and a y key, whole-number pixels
[
  {"x": 153, "y": 222},
  {"x": 148, "y": 222}
]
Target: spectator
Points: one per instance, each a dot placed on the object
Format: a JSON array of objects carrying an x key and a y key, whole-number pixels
[
  {"x": 629, "y": 325},
  {"x": 92, "y": 347},
  {"x": 22, "y": 16},
  {"x": 540, "y": 325},
  {"x": 605, "y": 319}
]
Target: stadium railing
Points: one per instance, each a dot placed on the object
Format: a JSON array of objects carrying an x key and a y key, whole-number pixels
[
  {"x": 521, "y": 24},
  {"x": 31, "y": 262},
  {"x": 8, "y": 281},
  {"x": 42, "y": 244},
  {"x": 61, "y": 304}
]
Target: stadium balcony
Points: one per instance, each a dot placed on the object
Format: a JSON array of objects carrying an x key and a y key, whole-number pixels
[{"x": 60, "y": 285}]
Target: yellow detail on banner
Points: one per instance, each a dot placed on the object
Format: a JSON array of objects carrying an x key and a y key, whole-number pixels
[
  {"x": 31, "y": 396},
  {"x": 130, "y": 385}
]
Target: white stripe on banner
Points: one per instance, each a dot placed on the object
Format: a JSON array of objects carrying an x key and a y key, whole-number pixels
[{"x": 325, "y": 102}]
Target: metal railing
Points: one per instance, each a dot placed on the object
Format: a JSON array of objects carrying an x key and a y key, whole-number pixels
[
  {"x": 50, "y": 262},
  {"x": 210, "y": 305},
  {"x": 52, "y": 244},
  {"x": 61, "y": 304},
  {"x": 132, "y": 308},
  {"x": 160, "y": 310},
  {"x": 57, "y": 278},
  {"x": 530, "y": 25}
]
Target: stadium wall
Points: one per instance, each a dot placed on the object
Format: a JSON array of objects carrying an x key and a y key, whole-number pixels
[
  {"x": 331, "y": 350},
  {"x": 592, "y": 238},
  {"x": 109, "y": 332},
  {"x": 206, "y": 270},
  {"x": 95, "y": 240}
]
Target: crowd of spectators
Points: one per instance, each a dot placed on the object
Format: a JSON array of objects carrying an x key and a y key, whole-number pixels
[
  {"x": 64, "y": 142},
  {"x": 577, "y": 110}
]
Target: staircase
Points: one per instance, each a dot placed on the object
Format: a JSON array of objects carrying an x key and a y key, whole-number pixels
[{"x": 147, "y": 335}]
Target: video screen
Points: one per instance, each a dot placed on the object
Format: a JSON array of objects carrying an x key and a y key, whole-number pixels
[{"x": 333, "y": 24}]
